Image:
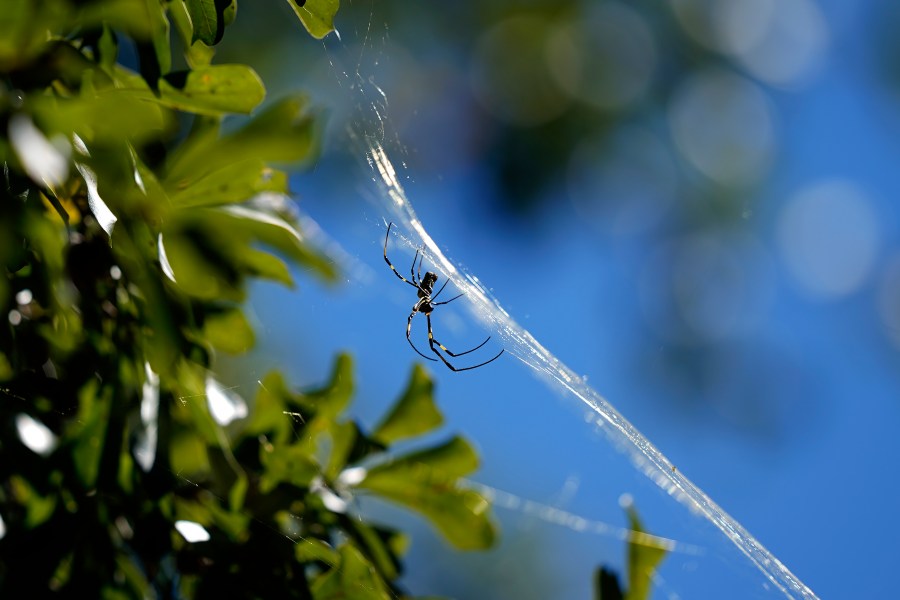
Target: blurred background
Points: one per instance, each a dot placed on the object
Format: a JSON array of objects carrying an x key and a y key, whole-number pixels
[{"x": 690, "y": 202}]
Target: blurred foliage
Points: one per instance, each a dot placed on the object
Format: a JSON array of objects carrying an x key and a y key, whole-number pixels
[
  {"x": 644, "y": 553},
  {"x": 131, "y": 222}
]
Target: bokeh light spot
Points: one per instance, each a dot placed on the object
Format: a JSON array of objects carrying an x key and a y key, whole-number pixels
[
  {"x": 723, "y": 126},
  {"x": 606, "y": 58},
  {"x": 828, "y": 236},
  {"x": 781, "y": 42}
]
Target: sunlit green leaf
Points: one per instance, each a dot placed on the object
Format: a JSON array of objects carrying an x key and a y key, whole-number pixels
[
  {"x": 285, "y": 132},
  {"x": 311, "y": 549},
  {"x": 24, "y": 25},
  {"x": 270, "y": 405},
  {"x": 427, "y": 482},
  {"x": 382, "y": 546},
  {"x": 229, "y": 330},
  {"x": 88, "y": 432},
  {"x": 196, "y": 53},
  {"x": 106, "y": 118},
  {"x": 159, "y": 31},
  {"x": 343, "y": 436},
  {"x": 37, "y": 508},
  {"x": 353, "y": 577},
  {"x": 334, "y": 397},
  {"x": 238, "y": 492},
  {"x": 644, "y": 555},
  {"x": 234, "y": 183},
  {"x": 213, "y": 90},
  {"x": 317, "y": 16},
  {"x": 275, "y": 232},
  {"x": 108, "y": 47},
  {"x": 206, "y": 18},
  {"x": 200, "y": 267},
  {"x": 414, "y": 413},
  {"x": 287, "y": 463}
]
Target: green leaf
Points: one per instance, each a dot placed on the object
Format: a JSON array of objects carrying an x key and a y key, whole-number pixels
[
  {"x": 343, "y": 437},
  {"x": 427, "y": 482},
  {"x": 316, "y": 15},
  {"x": 380, "y": 545},
  {"x": 645, "y": 552},
  {"x": 159, "y": 30},
  {"x": 332, "y": 399},
  {"x": 37, "y": 508},
  {"x": 450, "y": 460},
  {"x": 200, "y": 266},
  {"x": 282, "y": 236},
  {"x": 131, "y": 16},
  {"x": 415, "y": 413},
  {"x": 286, "y": 464},
  {"x": 196, "y": 53},
  {"x": 206, "y": 19},
  {"x": 229, "y": 331},
  {"x": 312, "y": 549},
  {"x": 285, "y": 133},
  {"x": 106, "y": 117},
  {"x": 213, "y": 90},
  {"x": 354, "y": 577},
  {"x": 24, "y": 29},
  {"x": 88, "y": 432},
  {"x": 269, "y": 407},
  {"x": 236, "y": 182}
]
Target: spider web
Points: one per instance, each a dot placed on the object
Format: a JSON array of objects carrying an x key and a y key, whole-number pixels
[{"x": 369, "y": 137}]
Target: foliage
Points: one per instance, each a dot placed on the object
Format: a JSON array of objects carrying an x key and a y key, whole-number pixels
[
  {"x": 644, "y": 553},
  {"x": 131, "y": 222}
]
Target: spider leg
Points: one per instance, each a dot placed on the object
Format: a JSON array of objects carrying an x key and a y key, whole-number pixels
[
  {"x": 448, "y": 301},
  {"x": 432, "y": 342},
  {"x": 412, "y": 269},
  {"x": 408, "y": 339},
  {"x": 441, "y": 290},
  {"x": 387, "y": 260}
]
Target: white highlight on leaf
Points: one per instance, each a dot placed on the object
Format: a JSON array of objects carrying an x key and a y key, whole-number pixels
[
  {"x": 352, "y": 476},
  {"x": 2, "y": 528},
  {"x": 45, "y": 161},
  {"x": 24, "y": 297},
  {"x": 100, "y": 210},
  {"x": 245, "y": 212},
  {"x": 35, "y": 435},
  {"x": 224, "y": 405},
  {"x": 147, "y": 437},
  {"x": 164, "y": 260},
  {"x": 192, "y": 532},
  {"x": 332, "y": 501}
]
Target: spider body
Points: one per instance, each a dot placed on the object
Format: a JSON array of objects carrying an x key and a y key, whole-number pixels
[{"x": 426, "y": 305}]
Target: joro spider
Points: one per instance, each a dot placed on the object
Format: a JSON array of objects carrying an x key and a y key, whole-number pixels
[{"x": 425, "y": 305}]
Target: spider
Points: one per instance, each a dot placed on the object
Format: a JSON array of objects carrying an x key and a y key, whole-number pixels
[{"x": 425, "y": 305}]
